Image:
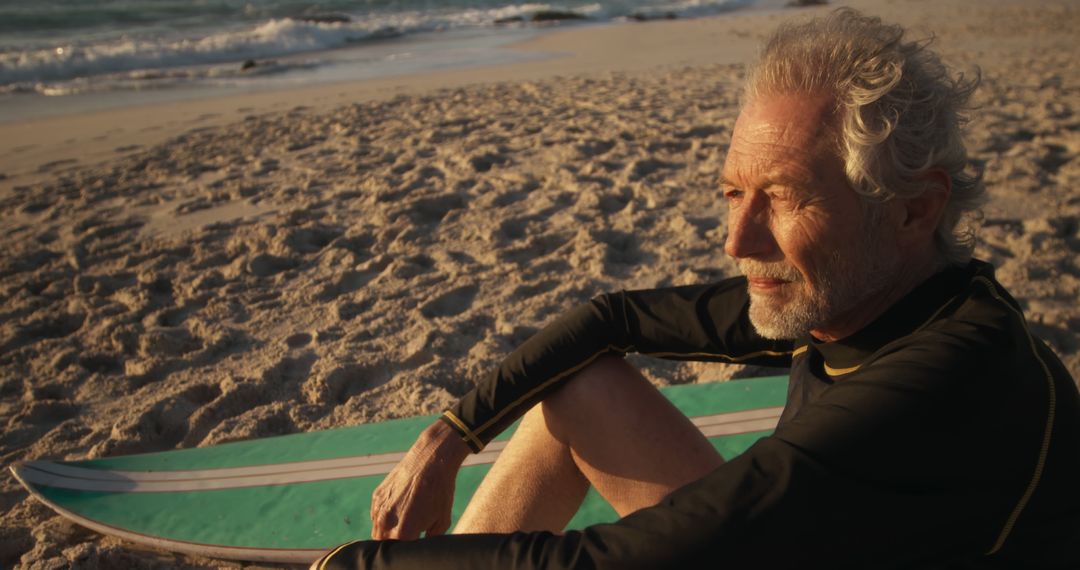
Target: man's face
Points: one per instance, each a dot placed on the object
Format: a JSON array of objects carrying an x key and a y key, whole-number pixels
[{"x": 810, "y": 247}]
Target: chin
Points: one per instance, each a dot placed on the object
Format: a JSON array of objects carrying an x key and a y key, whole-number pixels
[
  {"x": 784, "y": 320},
  {"x": 772, "y": 324}
]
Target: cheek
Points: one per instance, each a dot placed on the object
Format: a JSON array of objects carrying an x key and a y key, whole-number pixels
[{"x": 805, "y": 243}]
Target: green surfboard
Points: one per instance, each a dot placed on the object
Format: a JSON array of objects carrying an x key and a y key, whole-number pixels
[{"x": 291, "y": 498}]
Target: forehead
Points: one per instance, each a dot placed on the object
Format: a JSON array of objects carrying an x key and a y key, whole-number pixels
[{"x": 781, "y": 136}]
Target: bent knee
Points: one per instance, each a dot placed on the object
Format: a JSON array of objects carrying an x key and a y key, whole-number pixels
[
  {"x": 600, "y": 374},
  {"x": 606, "y": 377}
]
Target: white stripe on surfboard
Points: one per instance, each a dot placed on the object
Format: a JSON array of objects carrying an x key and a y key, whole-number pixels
[
  {"x": 85, "y": 479},
  {"x": 710, "y": 426},
  {"x": 286, "y": 555}
]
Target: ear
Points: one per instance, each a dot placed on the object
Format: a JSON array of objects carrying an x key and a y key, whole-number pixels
[{"x": 922, "y": 213}]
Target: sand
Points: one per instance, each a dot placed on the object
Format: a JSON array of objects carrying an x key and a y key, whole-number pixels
[{"x": 235, "y": 268}]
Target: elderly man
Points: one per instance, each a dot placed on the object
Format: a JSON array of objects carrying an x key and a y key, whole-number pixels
[{"x": 924, "y": 427}]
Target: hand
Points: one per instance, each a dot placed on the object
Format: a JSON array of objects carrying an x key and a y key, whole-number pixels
[{"x": 417, "y": 494}]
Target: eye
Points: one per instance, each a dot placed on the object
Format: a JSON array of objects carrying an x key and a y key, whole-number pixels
[{"x": 733, "y": 194}]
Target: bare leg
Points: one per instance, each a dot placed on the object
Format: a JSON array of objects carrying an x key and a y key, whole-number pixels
[{"x": 609, "y": 427}]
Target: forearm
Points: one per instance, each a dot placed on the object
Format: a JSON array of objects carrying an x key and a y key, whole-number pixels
[
  {"x": 705, "y": 322},
  {"x": 534, "y": 369}
]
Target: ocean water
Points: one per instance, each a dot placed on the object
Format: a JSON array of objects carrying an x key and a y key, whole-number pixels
[{"x": 59, "y": 48}]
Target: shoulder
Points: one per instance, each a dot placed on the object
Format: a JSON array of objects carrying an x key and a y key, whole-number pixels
[{"x": 979, "y": 328}]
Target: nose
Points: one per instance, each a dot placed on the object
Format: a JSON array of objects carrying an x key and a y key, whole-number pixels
[{"x": 749, "y": 234}]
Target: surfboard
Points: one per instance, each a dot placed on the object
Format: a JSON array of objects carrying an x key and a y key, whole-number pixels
[{"x": 290, "y": 498}]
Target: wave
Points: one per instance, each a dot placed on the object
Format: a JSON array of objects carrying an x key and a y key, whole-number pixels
[
  {"x": 134, "y": 59},
  {"x": 275, "y": 38}
]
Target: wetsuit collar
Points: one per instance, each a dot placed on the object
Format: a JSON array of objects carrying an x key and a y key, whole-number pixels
[{"x": 909, "y": 313}]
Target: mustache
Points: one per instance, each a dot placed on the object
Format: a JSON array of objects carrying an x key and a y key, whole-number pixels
[{"x": 777, "y": 270}]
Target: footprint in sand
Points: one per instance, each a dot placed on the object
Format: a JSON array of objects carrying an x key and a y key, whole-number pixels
[
  {"x": 165, "y": 341},
  {"x": 358, "y": 244},
  {"x": 106, "y": 364},
  {"x": 312, "y": 239},
  {"x": 522, "y": 292},
  {"x": 700, "y": 132},
  {"x": 450, "y": 304},
  {"x": 535, "y": 247},
  {"x": 641, "y": 168},
  {"x": 431, "y": 210},
  {"x": 34, "y": 207},
  {"x": 50, "y": 327},
  {"x": 593, "y": 148},
  {"x": 484, "y": 162},
  {"x": 29, "y": 261},
  {"x": 268, "y": 420},
  {"x": 612, "y": 202},
  {"x": 1053, "y": 158},
  {"x": 222, "y": 402},
  {"x": 265, "y": 265},
  {"x": 161, "y": 425},
  {"x": 341, "y": 383},
  {"x": 347, "y": 283},
  {"x": 298, "y": 340},
  {"x": 349, "y": 310},
  {"x": 50, "y": 166},
  {"x": 508, "y": 198},
  {"x": 412, "y": 266},
  {"x": 513, "y": 229}
]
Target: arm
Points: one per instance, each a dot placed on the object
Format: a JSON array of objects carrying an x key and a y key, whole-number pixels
[
  {"x": 697, "y": 322},
  {"x": 891, "y": 468},
  {"x": 702, "y": 322}
]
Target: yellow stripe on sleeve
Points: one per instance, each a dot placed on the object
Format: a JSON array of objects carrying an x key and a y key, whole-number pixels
[{"x": 476, "y": 444}]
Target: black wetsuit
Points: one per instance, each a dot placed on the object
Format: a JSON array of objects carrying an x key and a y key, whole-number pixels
[{"x": 943, "y": 435}]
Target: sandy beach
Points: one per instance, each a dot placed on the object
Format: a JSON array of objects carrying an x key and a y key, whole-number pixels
[{"x": 224, "y": 269}]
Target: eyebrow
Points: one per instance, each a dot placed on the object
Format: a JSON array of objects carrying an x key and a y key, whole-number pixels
[{"x": 775, "y": 177}]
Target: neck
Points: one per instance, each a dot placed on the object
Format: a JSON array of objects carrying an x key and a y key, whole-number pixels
[{"x": 905, "y": 277}]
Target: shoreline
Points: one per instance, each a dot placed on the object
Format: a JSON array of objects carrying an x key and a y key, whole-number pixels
[
  {"x": 33, "y": 149},
  {"x": 374, "y": 59}
]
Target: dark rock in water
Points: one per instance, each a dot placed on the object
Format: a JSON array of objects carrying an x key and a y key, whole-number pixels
[
  {"x": 555, "y": 16},
  {"x": 380, "y": 34},
  {"x": 510, "y": 20},
  {"x": 801, "y": 3},
  {"x": 639, "y": 17},
  {"x": 323, "y": 18},
  {"x": 248, "y": 64},
  {"x": 385, "y": 33}
]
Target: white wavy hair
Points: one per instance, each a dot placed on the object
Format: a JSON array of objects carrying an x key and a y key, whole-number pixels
[{"x": 899, "y": 111}]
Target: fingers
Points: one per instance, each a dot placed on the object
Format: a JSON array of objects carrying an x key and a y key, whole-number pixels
[
  {"x": 385, "y": 522},
  {"x": 411, "y": 501},
  {"x": 385, "y": 525},
  {"x": 378, "y": 523},
  {"x": 408, "y": 528},
  {"x": 384, "y": 515},
  {"x": 439, "y": 527}
]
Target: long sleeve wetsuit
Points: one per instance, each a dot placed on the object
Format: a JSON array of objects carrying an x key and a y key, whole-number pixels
[{"x": 942, "y": 435}]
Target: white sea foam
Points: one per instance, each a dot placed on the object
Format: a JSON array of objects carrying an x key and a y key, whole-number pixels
[
  {"x": 78, "y": 65},
  {"x": 271, "y": 39}
]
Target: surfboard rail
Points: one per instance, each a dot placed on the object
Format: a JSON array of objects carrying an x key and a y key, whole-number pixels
[{"x": 173, "y": 500}]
